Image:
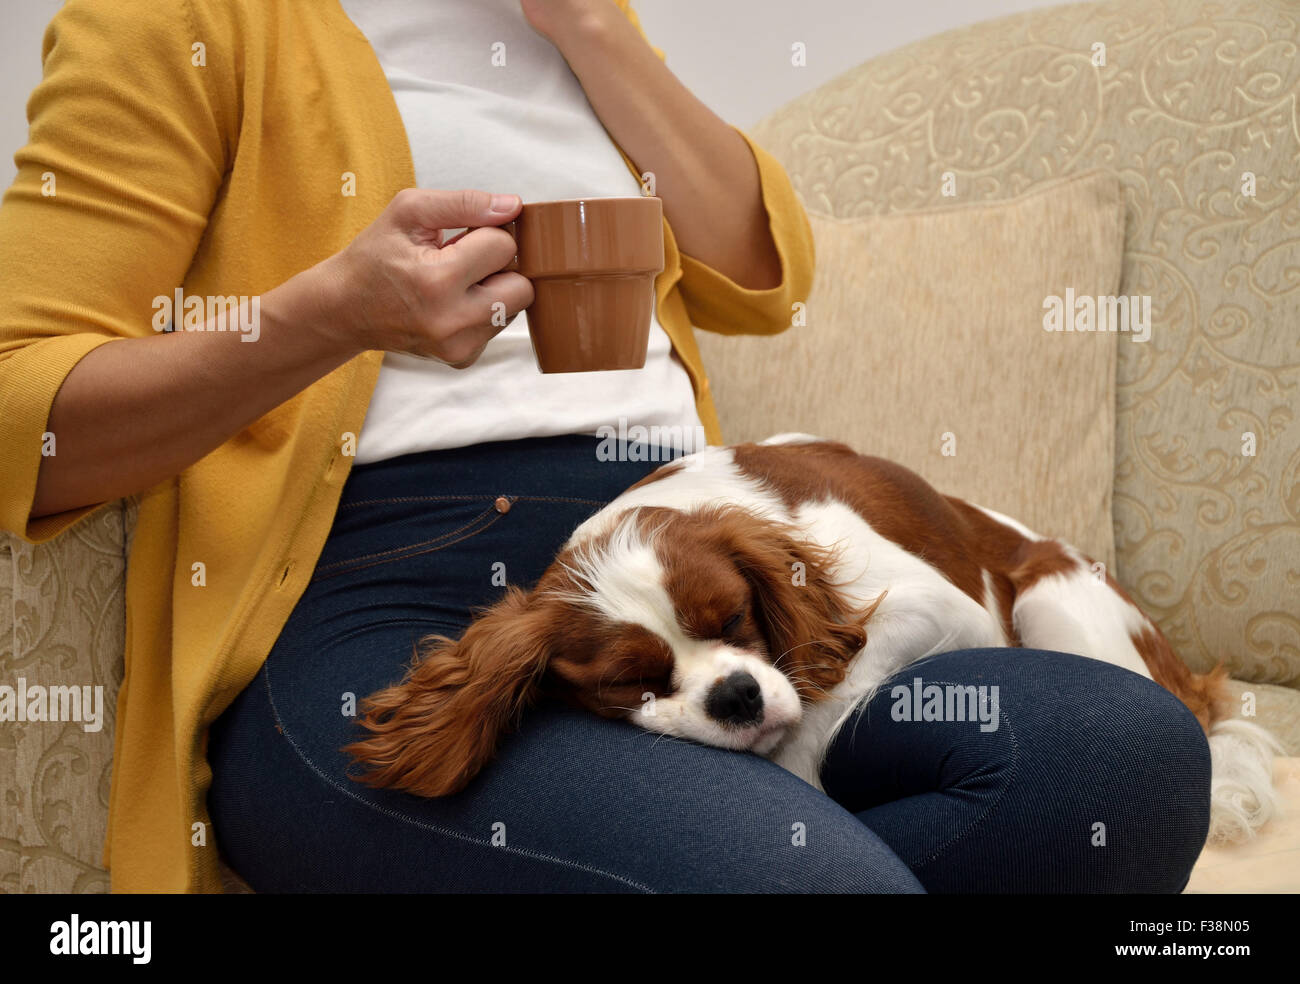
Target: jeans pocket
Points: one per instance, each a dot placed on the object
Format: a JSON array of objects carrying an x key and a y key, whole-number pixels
[{"x": 381, "y": 531}]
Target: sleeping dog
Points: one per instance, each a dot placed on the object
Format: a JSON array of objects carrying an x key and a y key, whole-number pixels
[{"x": 751, "y": 597}]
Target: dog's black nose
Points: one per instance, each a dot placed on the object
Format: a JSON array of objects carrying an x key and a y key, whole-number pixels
[{"x": 736, "y": 700}]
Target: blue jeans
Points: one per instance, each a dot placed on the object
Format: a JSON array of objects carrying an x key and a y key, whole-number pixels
[{"x": 577, "y": 803}]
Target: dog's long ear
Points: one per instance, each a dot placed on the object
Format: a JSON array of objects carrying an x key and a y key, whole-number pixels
[
  {"x": 434, "y": 731},
  {"x": 812, "y": 629}
]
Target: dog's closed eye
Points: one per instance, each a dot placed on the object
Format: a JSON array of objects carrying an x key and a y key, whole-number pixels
[{"x": 731, "y": 625}]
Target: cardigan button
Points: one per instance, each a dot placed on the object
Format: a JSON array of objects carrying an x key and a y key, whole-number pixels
[{"x": 502, "y": 504}]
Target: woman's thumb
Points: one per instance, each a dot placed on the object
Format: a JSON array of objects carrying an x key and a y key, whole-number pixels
[{"x": 431, "y": 209}]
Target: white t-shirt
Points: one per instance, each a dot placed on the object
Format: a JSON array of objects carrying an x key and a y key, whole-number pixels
[{"x": 489, "y": 103}]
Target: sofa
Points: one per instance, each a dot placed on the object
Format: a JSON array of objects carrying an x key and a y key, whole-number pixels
[{"x": 1174, "y": 463}]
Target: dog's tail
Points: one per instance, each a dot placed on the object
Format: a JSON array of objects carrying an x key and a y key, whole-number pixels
[{"x": 1242, "y": 797}]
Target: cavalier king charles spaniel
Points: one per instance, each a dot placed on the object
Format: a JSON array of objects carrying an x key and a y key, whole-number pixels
[{"x": 751, "y": 597}]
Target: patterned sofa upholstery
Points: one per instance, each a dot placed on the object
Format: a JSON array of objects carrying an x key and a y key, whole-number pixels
[
  {"x": 1190, "y": 98},
  {"x": 1194, "y": 104},
  {"x": 63, "y": 616}
]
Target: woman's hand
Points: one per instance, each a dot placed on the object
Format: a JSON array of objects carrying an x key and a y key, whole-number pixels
[{"x": 398, "y": 287}]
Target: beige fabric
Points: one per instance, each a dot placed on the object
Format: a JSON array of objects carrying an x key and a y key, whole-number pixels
[
  {"x": 926, "y": 334},
  {"x": 1268, "y": 864},
  {"x": 1275, "y": 708},
  {"x": 1190, "y": 99},
  {"x": 64, "y": 618}
]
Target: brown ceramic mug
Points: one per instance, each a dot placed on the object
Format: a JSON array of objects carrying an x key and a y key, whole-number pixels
[{"x": 592, "y": 263}]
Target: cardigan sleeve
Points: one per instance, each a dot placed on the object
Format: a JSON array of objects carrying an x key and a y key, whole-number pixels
[
  {"x": 717, "y": 303},
  {"x": 131, "y": 132}
]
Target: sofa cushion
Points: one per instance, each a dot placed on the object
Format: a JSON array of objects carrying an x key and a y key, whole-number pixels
[
  {"x": 924, "y": 342},
  {"x": 1270, "y": 863},
  {"x": 1272, "y": 707}
]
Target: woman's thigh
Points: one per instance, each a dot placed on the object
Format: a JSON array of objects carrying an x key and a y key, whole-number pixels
[
  {"x": 572, "y": 802},
  {"x": 1093, "y": 778}
]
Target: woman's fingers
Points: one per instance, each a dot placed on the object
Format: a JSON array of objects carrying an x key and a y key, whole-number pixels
[
  {"x": 488, "y": 308},
  {"x": 423, "y": 213},
  {"x": 504, "y": 295},
  {"x": 404, "y": 290},
  {"x": 513, "y": 290},
  {"x": 479, "y": 253}
]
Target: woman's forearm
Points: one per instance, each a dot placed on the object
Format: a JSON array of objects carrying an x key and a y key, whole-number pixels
[
  {"x": 135, "y": 412},
  {"x": 703, "y": 169}
]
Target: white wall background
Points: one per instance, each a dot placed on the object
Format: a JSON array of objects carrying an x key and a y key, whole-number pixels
[
  {"x": 734, "y": 54},
  {"x": 20, "y": 69}
]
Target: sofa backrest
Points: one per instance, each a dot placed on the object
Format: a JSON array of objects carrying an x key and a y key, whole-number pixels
[{"x": 1198, "y": 113}]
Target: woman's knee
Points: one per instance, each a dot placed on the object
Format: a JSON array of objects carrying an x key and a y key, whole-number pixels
[
  {"x": 1128, "y": 761},
  {"x": 1150, "y": 763},
  {"x": 1089, "y": 778}
]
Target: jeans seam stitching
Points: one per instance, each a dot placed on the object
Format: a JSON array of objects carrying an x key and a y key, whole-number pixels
[
  {"x": 420, "y": 620},
  {"x": 419, "y": 543},
  {"x": 457, "y": 835},
  {"x": 970, "y": 828},
  {"x": 354, "y": 567},
  {"x": 485, "y": 495},
  {"x": 412, "y": 498},
  {"x": 406, "y": 556}
]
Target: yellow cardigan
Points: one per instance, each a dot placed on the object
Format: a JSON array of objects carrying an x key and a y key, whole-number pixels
[{"x": 225, "y": 178}]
